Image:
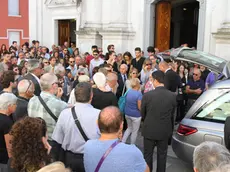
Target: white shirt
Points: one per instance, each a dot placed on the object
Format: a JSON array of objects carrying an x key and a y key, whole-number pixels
[
  {"x": 94, "y": 63},
  {"x": 124, "y": 77},
  {"x": 19, "y": 61},
  {"x": 66, "y": 132},
  {"x": 72, "y": 99},
  {"x": 47, "y": 56}
]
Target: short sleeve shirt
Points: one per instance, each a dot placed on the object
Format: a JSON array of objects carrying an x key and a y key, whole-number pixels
[
  {"x": 195, "y": 85},
  {"x": 123, "y": 157},
  {"x": 131, "y": 108},
  {"x": 5, "y": 126},
  {"x": 138, "y": 64}
]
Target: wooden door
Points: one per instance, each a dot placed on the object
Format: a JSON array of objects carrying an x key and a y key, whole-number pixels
[
  {"x": 63, "y": 31},
  {"x": 163, "y": 22}
]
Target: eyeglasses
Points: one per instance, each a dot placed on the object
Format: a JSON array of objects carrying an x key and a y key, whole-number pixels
[
  {"x": 81, "y": 73},
  {"x": 30, "y": 83},
  {"x": 195, "y": 74},
  {"x": 95, "y": 54}
]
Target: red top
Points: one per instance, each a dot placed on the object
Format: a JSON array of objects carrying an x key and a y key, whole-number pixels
[{"x": 88, "y": 59}]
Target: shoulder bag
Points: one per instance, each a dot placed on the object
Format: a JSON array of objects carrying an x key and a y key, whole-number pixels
[
  {"x": 106, "y": 154},
  {"x": 47, "y": 108},
  {"x": 78, "y": 124}
]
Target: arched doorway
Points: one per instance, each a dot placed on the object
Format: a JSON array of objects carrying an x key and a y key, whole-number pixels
[{"x": 176, "y": 23}]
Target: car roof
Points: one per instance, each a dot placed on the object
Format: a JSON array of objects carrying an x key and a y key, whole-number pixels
[{"x": 222, "y": 84}]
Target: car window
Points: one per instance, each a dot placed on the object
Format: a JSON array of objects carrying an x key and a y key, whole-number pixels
[
  {"x": 206, "y": 59},
  {"x": 218, "y": 110}
]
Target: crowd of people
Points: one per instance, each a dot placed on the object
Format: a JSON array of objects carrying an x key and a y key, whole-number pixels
[{"x": 79, "y": 110}]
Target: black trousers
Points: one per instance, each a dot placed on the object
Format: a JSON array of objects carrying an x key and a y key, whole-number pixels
[
  {"x": 74, "y": 161},
  {"x": 162, "y": 148}
]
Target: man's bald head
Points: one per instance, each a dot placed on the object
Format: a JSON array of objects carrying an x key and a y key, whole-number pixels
[
  {"x": 163, "y": 66},
  {"x": 110, "y": 120},
  {"x": 123, "y": 69},
  {"x": 196, "y": 74}
]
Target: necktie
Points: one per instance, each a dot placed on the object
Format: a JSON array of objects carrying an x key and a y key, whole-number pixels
[{"x": 124, "y": 77}]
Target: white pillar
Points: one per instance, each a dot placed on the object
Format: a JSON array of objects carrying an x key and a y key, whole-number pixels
[
  {"x": 93, "y": 13},
  {"x": 149, "y": 23},
  {"x": 228, "y": 11},
  {"x": 201, "y": 25},
  {"x": 119, "y": 12}
]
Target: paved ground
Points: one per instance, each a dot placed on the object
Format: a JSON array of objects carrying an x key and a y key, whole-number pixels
[{"x": 173, "y": 163}]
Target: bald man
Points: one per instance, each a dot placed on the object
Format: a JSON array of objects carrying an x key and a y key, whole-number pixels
[
  {"x": 122, "y": 157},
  {"x": 172, "y": 79},
  {"x": 195, "y": 87},
  {"x": 122, "y": 77}
]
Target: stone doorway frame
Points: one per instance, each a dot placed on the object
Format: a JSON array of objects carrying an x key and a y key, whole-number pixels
[{"x": 149, "y": 20}]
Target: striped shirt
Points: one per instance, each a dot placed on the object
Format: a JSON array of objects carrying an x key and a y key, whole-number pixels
[{"x": 36, "y": 109}]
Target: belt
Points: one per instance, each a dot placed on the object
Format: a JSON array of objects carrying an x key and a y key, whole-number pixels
[{"x": 75, "y": 154}]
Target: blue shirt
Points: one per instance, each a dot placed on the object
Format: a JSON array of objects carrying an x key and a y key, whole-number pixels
[
  {"x": 195, "y": 85},
  {"x": 123, "y": 157},
  {"x": 131, "y": 108},
  {"x": 73, "y": 70}
]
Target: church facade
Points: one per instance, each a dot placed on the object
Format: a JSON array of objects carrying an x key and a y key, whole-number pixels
[{"x": 127, "y": 24}]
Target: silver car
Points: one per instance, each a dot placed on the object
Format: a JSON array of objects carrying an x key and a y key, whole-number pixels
[{"x": 205, "y": 119}]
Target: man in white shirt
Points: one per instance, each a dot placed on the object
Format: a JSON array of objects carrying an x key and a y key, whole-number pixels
[
  {"x": 95, "y": 62},
  {"x": 44, "y": 51},
  {"x": 67, "y": 134}
]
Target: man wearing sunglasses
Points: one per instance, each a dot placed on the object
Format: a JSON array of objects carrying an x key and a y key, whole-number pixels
[
  {"x": 25, "y": 93},
  {"x": 95, "y": 62},
  {"x": 72, "y": 66},
  {"x": 195, "y": 87}
]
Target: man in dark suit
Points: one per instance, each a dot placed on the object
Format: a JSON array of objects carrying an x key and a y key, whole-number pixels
[
  {"x": 157, "y": 108},
  {"x": 172, "y": 79},
  {"x": 122, "y": 76},
  {"x": 34, "y": 72},
  {"x": 25, "y": 92}
]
